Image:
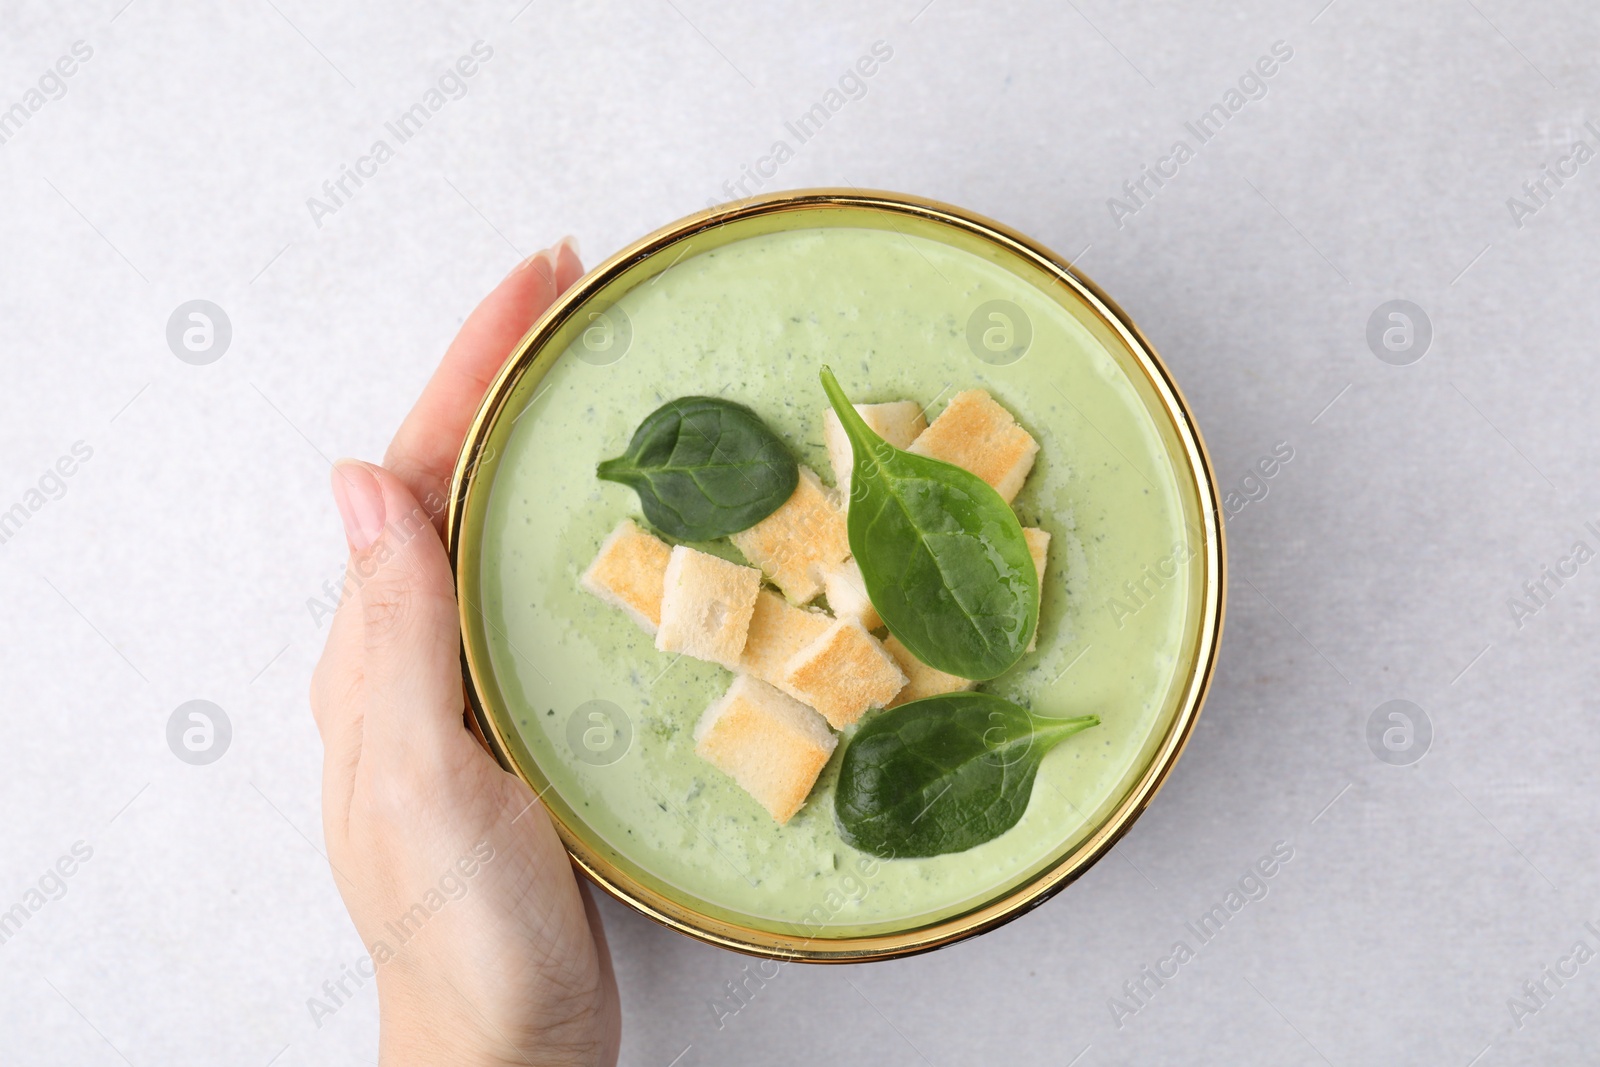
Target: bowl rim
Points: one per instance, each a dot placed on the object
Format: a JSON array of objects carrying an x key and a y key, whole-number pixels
[{"x": 1048, "y": 881}]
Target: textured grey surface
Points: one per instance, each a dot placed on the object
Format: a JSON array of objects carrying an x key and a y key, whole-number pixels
[{"x": 178, "y": 560}]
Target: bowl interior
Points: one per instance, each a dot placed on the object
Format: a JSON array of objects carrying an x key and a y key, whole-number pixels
[{"x": 904, "y": 299}]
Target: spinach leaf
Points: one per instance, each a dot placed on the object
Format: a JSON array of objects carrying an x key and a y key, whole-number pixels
[
  {"x": 943, "y": 774},
  {"x": 705, "y": 468},
  {"x": 941, "y": 553}
]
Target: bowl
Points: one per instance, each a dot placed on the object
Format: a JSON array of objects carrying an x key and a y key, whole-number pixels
[{"x": 899, "y": 294}]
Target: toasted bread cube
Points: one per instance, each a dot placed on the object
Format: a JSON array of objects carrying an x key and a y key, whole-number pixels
[
  {"x": 842, "y": 673},
  {"x": 921, "y": 679},
  {"x": 706, "y": 604},
  {"x": 847, "y": 594},
  {"x": 897, "y": 422},
  {"x": 978, "y": 434},
  {"x": 794, "y": 543},
  {"x": 1038, "y": 548},
  {"x": 628, "y": 572},
  {"x": 778, "y": 630},
  {"x": 771, "y": 744}
]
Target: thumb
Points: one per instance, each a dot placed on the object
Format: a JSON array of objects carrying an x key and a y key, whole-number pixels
[{"x": 410, "y": 633}]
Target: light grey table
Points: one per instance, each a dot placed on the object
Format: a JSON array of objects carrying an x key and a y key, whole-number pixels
[{"x": 1388, "y": 158}]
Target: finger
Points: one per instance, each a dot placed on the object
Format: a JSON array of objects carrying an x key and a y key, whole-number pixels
[
  {"x": 340, "y": 665},
  {"x": 337, "y": 707},
  {"x": 410, "y": 637},
  {"x": 569, "y": 266},
  {"x": 336, "y": 701},
  {"x": 335, "y": 673},
  {"x": 423, "y": 452}
]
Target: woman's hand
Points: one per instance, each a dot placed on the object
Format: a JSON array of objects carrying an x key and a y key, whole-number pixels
[{"x": 486, "y": 948}]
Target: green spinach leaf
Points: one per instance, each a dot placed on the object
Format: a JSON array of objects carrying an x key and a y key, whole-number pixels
[
  {"x": 941, "y": 553},
  {"x": 705, "y": 468},
  {"x": 943, "y": 774}
]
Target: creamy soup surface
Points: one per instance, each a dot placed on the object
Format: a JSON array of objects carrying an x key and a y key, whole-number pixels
[{"x": 753, "y": 322}]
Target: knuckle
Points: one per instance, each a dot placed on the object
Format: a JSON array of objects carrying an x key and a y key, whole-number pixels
[
  {"x": 333, "y": 688},
  {"x": 403, "y": 587},
  {"x": 385, "y": 607},
  {"x": 320, "y": 692},
  {"x": 314, "y": 698}
]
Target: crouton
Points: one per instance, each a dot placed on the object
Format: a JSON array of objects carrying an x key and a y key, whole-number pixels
[
  {"x": 794, "y": 543},
  {"x": 978, "y": 434},
  {"x": 842, "y": 673},
  {"x": 778, "y": 630},
  {"x": 771, "y": 744},
  {"x": 628, "y": 573},
  {"x": 1038, "y": 547},
  {"x": 921, "y": 679},
  {"x": 897, "y": 422},
  {"x": 847, "y": 594},
  {"x": 706, "y": 604}
]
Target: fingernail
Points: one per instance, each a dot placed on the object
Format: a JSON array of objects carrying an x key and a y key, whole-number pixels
[
  {"x": 360, "y": 500},
  {"x": 571, "y": 243},
  {"x": 543, "y": 261},
  {"x": 547, "y": 255}
]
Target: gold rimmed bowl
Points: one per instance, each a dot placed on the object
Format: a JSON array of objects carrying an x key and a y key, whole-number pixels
[{"x": 905, "y": 297}]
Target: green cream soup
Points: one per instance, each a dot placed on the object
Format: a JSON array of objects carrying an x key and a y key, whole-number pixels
[{"x": 753, "y": 321}]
